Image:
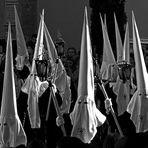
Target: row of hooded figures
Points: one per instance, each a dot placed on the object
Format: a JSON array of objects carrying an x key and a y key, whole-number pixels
[{"x": 111, "y": 109}]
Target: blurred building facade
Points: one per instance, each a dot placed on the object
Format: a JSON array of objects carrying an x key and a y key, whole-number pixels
[{"x": 28, "y": 15}]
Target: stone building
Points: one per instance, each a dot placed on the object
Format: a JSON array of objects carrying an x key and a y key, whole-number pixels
[{"x": 28, "y": 15}]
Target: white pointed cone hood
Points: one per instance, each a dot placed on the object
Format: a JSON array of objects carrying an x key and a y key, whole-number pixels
[
  {"x": 119, "y": 47},
  {"x": 11, "y": 130},
  {"x": 52, "y": 52},
  {"x": 141, "y": 72},
  {"x": 122, "y": 89},
  {"x": 108, "y": 56},
  {"x": 138, "y": 105},
  {"x": 32, "y": 83},
  {"x": 85, "y": 116},
  {"x": 125, "y": 57},
  {"x": 9, "y": 85},
  {"x": 105, "y": 23},
  {"x": 126, "y": 53},
  {"x": 22, "y": 52},
  {"x": 86, "y": 81},
  {"x": 60, "y": 78},
  {"x": 39, "y": 43},
  {"x": 57, "y": 69},
  {"x": 21, "y": 44}
]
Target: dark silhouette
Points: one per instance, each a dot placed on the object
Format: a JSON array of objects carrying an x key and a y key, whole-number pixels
[
  {"x": 137, "y": 140},
  {"x": 72, "y": 142},
  {"x": 36, "y": 143}
]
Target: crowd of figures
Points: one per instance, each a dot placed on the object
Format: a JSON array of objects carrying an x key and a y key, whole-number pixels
[
  {"x": 70, "y": 60},
  {"x": 50, "y": 135}
]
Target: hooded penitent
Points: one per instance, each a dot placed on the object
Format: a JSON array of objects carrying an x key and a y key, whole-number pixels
[
  {"x": 60, "y": 77},
  {"x": 33, "y": 86},
  {"x": 108, "y": 67},
  {"x": 22, "y": 53},
  {"x": 122, "y": 89},
  {"x": 86, "y": 117},
  {"x": 138, "y": 106},
  {"x": 11, "y": 131}
]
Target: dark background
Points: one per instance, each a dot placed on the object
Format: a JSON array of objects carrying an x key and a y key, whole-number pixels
[{"x": 67, "y": 17}]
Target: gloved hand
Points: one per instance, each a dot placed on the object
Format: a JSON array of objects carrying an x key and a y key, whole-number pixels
[{"x": 59, "y": 121}]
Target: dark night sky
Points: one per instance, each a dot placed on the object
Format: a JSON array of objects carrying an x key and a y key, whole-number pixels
[
  {"x": 140, "y": 9},
  {"x": 67, "y": 16}
]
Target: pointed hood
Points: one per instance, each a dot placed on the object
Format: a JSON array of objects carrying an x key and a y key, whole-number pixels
[
  {"x": 9, "y": 84},
  {"x": 11, "y": 130},
  {"x": 85, "y": 116},
  {"x": 60, "y": 77},
  {"x": 56, "y": 63},
  {"x": 141, "y": 71},
  {"x": 126, "y": 52},
  {"x": 105, "y": 22},
  {"x": 86, "y": 80},
  {"x": 138, "y": 105},
  {"x": 119, "y": 46},
  {"x": 22, "y": 52},
  {"x": 108, "y": 56},
  {"x": 125, "y": 57},
  {"x": 39, "y": 44},
  {"x": 122, "y": 90},
  {"x": 33, "y": 85},
  {"x": 52, "y": 52}
]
